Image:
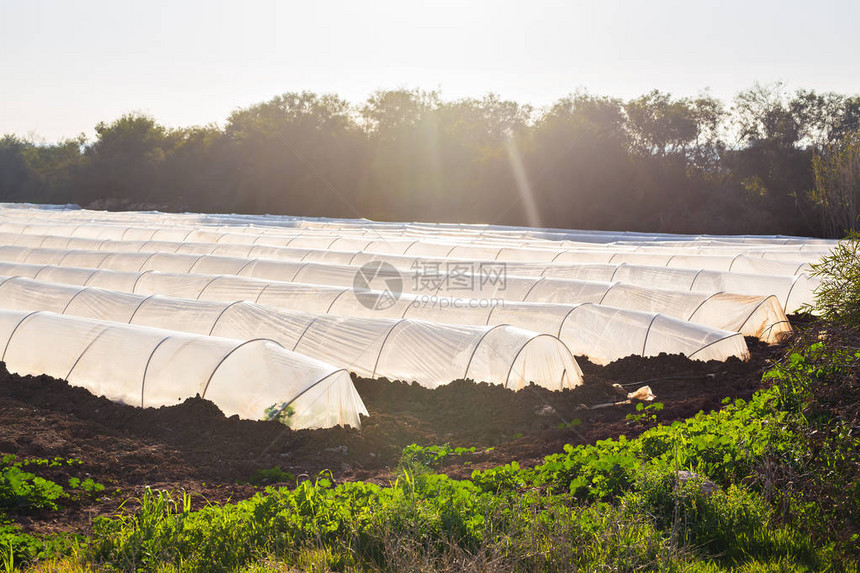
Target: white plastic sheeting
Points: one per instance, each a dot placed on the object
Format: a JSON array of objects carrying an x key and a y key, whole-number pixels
[
  {"x": 463, "y": 234},
  {"x": 432, "y": 354},
  {"x": 498, "y": 243},
  {"x": 760, "y": 259},
  {"x": 751, "y": 315},
  {"x": 599, "y": 332},
  {"x": 793, "y": 288},
  {"x": 154, "y": 367}
]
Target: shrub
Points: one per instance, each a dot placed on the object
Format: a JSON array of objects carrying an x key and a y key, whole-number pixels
[
  {"x": 22, "y": 491},
  {"x": 837, "y": 298}
]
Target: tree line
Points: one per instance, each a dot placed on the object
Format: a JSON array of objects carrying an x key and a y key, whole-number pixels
[{"x": 769, "y": 161}]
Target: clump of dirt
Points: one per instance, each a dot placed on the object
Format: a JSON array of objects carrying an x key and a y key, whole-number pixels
[{"x": 193, "y": 446}]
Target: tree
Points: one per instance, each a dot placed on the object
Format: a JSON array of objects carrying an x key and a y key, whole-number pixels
[
  {"x": 388, "y": 113},
  {"x": 39, "y": 173},
  {"x": 762, "y": 114},
  {"x": 195, "y": 171},
  {"x": 659, "y": 125},
  {"x": 579, "y": 165},
  {"x": 709, "y": 146},
  {"x": 768, "y": 160},
  {"x": 475, "y": 172},
  {"x": 297, "y": 153},
  {"x": 17, "y": 180},
  {"x": 125, "y": 160},
  {"x": 837, "y": 186}
]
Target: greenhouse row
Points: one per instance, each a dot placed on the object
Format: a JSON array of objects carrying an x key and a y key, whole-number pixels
[
  {"x": 756, "y": 261},
  {"x": 500, "y": 354},
  {"x": 279, "y": 226},
  {"x": 750, "y": 315},
  {"x": 599, "y": 332},
  {"x": 794, "y": 291},
  {"x": 29, "y": 213},
  {"x": 256, "y": 379}
]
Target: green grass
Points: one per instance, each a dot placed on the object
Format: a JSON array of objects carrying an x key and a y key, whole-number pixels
[{"x": 23, "y": 492}]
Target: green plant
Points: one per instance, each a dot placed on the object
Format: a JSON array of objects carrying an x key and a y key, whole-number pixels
[
  {"x": 837, "y": 185},
  {"x": 431, "y": 457},
  {"x": 9, "y": 558},
  {"x": 267, "y": 476},
  {"x": 281, "y": 412},
  {"x": 87, "y": 485},
  {"x": 576, "y": 422},
  {"x": 22, "y": 491},
  {"x": 645, "y": 415},
  {"x": 837, "y": 297},
  {"x": 19, "y": 549}
]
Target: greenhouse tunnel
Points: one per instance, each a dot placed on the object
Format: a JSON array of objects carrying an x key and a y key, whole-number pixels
[
  {"x": 408, "y": 349},
  {"x": 132, "y": 225},
  {"x": 793, "y": 290},
  {"x": 152, "y": 367},
  {"x": 601, "y": 333},
  {"x": 736, "y": 257},
  {"x": 717, "y": 310}
]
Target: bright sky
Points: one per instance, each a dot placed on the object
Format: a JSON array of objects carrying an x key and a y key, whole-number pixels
[{"x": 65, "y": 65}]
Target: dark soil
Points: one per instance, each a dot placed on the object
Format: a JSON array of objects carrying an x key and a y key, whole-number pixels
[{"x": 193, "y": 447}]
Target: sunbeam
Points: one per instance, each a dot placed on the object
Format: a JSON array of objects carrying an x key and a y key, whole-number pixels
[{"x": 523, "y": 186}]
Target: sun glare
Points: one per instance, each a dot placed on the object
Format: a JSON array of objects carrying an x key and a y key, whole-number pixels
[{"x": 523, "y": 187}]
